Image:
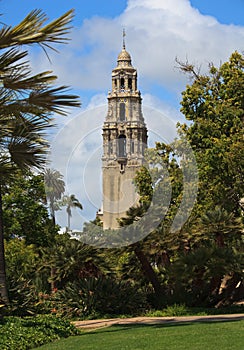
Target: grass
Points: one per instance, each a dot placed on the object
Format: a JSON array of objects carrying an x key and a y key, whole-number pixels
[{"x": 191, "y": 336}]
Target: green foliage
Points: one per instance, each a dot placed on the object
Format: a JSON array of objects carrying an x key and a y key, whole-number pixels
[
  {"x": 24, "y": 211},
  {"x": 183, "y": 310},
  {"x": 143, "y": 182},
  {"x": 96, "y": 297},
  {"x": 176, "y": 310},
  {"x": 171, "y": 310},
  {"x": 21, "y": 262},
  {"x": 201, "y": 276},
  {"x": 21, "y": 259},
  {"x": 70, "y": 259},
  {"x": 214, "y": 104},
  {"x": 30, "y": 332}
]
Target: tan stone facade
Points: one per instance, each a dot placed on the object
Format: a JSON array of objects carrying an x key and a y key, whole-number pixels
[{"x": 124, "y": 142}]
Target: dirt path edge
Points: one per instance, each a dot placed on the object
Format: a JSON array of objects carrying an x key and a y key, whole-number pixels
[{"x": 94, "y": 324}]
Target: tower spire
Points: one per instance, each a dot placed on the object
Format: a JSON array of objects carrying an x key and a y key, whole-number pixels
[{"x": 124, "y": 34}]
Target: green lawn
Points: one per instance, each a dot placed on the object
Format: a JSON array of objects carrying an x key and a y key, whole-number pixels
[{"x": 196, "y": 336}]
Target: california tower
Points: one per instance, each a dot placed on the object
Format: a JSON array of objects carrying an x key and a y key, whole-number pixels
[{"x": 124, "y": 141}]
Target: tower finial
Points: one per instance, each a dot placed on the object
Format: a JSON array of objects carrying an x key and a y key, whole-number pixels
[{"x": 124, "y": 38}]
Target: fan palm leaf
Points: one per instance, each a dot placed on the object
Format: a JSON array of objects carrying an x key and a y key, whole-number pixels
[
  {"x": 31, "y": 30},
  {"x": 27, "y": 102}
]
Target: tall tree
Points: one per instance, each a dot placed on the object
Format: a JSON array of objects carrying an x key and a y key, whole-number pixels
[
  {"x": 25, "y": 212},
  {"x": 27, "y": 102},
  {"x": 70, "y": 202},
  {"x": 55, "y": 187},
  {"x": 214, "y": 103}
]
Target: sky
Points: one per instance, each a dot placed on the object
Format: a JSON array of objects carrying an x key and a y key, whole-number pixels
[{"x": 157, "y": 31}]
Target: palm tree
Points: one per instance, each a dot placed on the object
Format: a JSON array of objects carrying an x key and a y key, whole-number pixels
[
  {"x": 132, "y": 215},
  {"x": 55, "y": 187},
  {"x": 27, "y": 102},
  {"x": 71, "y": 259},
  {"x": 221, "y": 226},
  {"x": 70, "y": 202}
]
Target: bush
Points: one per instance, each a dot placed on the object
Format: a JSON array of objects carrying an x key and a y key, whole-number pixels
[
  {"x": 169, "y": 311},
  {"x": 96, "y": 297},
  {"x": 30, "y": 332},
  {"x": 23, "y": 297},
  {"x": 182, "y": 310}
]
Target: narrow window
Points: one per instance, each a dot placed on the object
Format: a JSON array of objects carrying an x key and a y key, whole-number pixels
[
  {"x": 122, "y": 146},
  {"x": 130, "y": 84},
  {"x": 110, "y": 147},
  {"x": 122, "y": 84},
  {"x": 122, "y": 112},
  {"x": 132, "y": 146}
]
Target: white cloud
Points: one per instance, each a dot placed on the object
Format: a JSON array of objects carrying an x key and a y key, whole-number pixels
[{"x": 157, "y": 32}]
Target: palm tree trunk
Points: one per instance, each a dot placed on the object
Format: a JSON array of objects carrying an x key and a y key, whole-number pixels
[
  {"x": 52, "y": 212},
  {"x": 69, "y": 221},
  {"x": 148, "y": 271},
  {"x": 3, "y": 280}
]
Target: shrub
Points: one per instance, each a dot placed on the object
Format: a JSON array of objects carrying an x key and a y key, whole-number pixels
[
  {"x": 29, "y": 332},
  {"x": 23, "y": 297},
  {"x": 176, "y": 310},
  {"x": 93, "y": 297}
]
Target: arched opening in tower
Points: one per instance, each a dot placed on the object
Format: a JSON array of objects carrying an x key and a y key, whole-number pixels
[
  {"x": 122, "y": 146},
  {"x": 130, "y": 84},
  {"x": 122, "y": 112},
  {"x": 122, "y": 84}
]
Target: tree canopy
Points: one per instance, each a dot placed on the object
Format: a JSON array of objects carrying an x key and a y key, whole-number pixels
[{"x": 214, "y": 105}]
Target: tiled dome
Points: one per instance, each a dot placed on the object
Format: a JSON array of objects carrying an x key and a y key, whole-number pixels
[{"x": 124, "y": 56}]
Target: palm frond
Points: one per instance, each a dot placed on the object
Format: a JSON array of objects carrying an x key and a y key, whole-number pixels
[
  {"x": 25, "y": 144},
  {"x": 25, "y": 82},
  {"x": 31, "y": 30},
  {"x": 52, "y": 100},
  {"x": 9, "y": 58},
  {"x": 54, "y": 184},
  {"x": 26, "y": 154},
  {"x": 27, "y": 101}
]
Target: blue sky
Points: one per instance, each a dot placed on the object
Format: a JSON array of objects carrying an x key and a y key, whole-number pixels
[
  {"x": 226, "y": 11},
  {"x": 158, "y": 31}
]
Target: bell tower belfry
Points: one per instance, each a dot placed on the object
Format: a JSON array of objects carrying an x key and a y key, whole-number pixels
[{"x": 124, "y": 142}]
